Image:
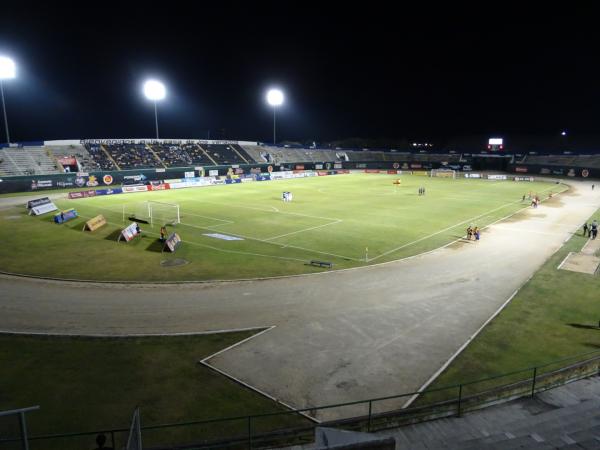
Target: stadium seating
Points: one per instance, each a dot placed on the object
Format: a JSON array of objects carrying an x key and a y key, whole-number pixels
[
  {"x": 27, "y": 161},
  {"x": 132, "y": 156},
  {"x": 224, "y": 154},
  {"x": 100, "y": 157},
  {"x": 172, "y": 155}
]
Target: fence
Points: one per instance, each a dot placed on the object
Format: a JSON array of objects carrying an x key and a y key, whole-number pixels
[{"x": 296, "y": 426}]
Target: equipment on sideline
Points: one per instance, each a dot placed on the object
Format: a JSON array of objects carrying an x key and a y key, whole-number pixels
[
  {"x": 40, "y": 206},
  {"x": 64, "y": 216},
  {"x": 159, "y": 213},
  {"x": 94, "y": 223},
  {"x": 445, "y": 173}
]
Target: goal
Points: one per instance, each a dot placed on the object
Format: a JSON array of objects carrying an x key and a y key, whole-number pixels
[
  {"x": 445, "y": 173},
  {"x": 154, "y": 213}
]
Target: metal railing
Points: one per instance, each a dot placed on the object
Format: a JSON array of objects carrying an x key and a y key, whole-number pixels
[{"x": 292, "y": 427}]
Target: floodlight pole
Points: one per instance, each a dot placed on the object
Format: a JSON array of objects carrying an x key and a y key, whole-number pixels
[
  {"x": 274, "y": 122},
  {"x": 156, "y": 118},
  {"x": 4, "y": 109}
]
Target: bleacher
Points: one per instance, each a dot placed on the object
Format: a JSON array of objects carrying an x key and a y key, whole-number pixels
[
  {"x": 197, "y": 154},
  {"x": 78, "y": 152},
  {"x": 27, "y": 161},
  {"x": 132, "y": 156},
  {"x": 589, "y": 161},
  {"x": 99, "y": 157},
  {"x": 224, "y": 154},
  {"x": 172, "y": 155}
]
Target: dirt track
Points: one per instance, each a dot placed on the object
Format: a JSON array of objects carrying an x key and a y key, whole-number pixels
[{"x": 339, "y": 336}]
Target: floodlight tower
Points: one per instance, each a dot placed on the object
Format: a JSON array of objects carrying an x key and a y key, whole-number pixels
[
  {"x": 7, "y": 71},
  {"x": 154, "y": 90},
  {"x": 275, "y": 99}
]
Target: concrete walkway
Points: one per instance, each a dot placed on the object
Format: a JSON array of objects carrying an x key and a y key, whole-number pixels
[{"x": 338, "y": 336}]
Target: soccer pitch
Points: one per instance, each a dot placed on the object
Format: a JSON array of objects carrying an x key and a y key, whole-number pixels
[{"x": 348, "y": 220}]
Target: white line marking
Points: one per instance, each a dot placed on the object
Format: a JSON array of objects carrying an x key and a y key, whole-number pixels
[
  {"x": 243, "y": 383},
  {"x": 453, "y": 226},
  {"x": 564, "y": 260},
  {"x": 303, "y": 230}
]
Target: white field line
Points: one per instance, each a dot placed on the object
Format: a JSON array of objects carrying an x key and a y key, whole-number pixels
[
  {"x": 451, "y": 227},
  {"x": 303, "y": 230},
  {"x": 240, "y": 252},
  {"x": 564, "y": 260},
  {"x": 462, "y": 347},
  {"x": 208, "y": 217},
  {"x": 205, "y": 363},
  {"x": 197, "y": 244},
  {"x": 129, "y": 335},
  {"x": 267, "y": 210}
]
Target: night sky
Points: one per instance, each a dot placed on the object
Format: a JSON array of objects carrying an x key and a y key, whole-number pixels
[{"x": 368, "y": 70}]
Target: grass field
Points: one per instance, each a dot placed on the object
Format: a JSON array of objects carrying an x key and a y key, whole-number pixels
[
  {"x": 554, "y": 316},
  {"x": 87, "y": 384},
  {"x": 335, "y": 218}
]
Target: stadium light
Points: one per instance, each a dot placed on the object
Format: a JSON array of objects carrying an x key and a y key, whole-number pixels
[
  {"x": 7, "y": 71},
  {"x": 275, "y": 98},
  {"x": 154, "y": 90},
  {"x": 563, "y": 133}
]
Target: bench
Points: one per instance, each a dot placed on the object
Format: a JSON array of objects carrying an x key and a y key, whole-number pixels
[{"x": 315, "y": 262}]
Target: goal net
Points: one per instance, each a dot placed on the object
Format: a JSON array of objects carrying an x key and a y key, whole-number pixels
[
  {"x": 154, "y": 213},
  {"x": 444, "y": 173}
]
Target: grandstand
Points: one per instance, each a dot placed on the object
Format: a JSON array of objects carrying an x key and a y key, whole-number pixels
[{"x": 97, "y": 156}]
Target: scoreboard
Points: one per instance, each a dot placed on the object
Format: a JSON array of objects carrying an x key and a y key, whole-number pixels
[{"x": 495, "y": 144}]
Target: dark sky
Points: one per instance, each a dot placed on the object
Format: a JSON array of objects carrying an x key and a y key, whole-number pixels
[{"x": 370, "y": 70}]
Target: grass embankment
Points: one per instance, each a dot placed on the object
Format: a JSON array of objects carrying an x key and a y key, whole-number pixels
[
  {"x": 86, "y": 384},
  {"x": 555, "y": 315}
]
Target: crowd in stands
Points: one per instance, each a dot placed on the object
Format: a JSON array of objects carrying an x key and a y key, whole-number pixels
[
  {"x": 588, "y": 161},
  {"x": 100, "y": 157},
  {"x": 132, "y": 156}
]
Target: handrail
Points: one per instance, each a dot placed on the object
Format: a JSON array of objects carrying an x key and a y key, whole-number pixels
[{"x": 579, "y": 359}]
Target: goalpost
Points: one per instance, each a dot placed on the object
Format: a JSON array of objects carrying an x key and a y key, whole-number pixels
[
  {"x": 159, "y": 213},
  {"x": 446, "y": 173}
]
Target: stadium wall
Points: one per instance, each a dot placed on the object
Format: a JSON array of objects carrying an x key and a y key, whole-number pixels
[{"x": 556, "y": 171}]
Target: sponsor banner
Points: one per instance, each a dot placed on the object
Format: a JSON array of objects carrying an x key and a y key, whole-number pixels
[
  {"x": 346, "y": 171},
  {"x": 92, "y": 181},
  {"x": 237, "y": 180},
  {"x": 190, "y": 174},
  {"x": 521, "y": 169},
  {"x": 571, "y": 173},
  {"x": 300, "y": 166},
  {"x": 337, "y": 165},
  {"x": 134, "y": 178},
  {"x": 322, "y": 174},
  {"x": 161, "y": 170},
  {"x": 416, "y": 166},
  {"x": 422, "y": 173},
  {"x": 545, "y": 171},
  {"x": 129, "y": 232},
  {"x": 40, "y": 184},
  {"x": 247, "y": 180},
  {"x": 43, "y": 209},
  {"x": 135, "y": 188},
  {"x": 108, "y": 191},
  {"x": 392, "y": 172},
  {"x": 173, "y": 242},
  {"x": 213, "y": 173},
  {"x": 64, "y": 184},
  {"x": 372, "y": 171},
  {"x": 38, "y": 202},
  {"x": 67, "y": 161},
  {"x": 158, "y": 187},
  {"x": 585, "y": 173},
  {"x": 64, "y": 216},
  {"x": 174, "y": 180},
  {"x": 467, "y": 168},
  {"x": 107, "y": 179},
  {"x": 396, "y": 165},
  {"x": 472, "y": 175},
  {"x": 83, "y": 174},
  {"x": 523, "y": 178},
  {"x": 496, "y": 177},
  {"x": 558, "y": 172},
  {"x": 319, "y": 166},
  {"x": 94, "y": 223},
  {"x": 224, "y": 237}
]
